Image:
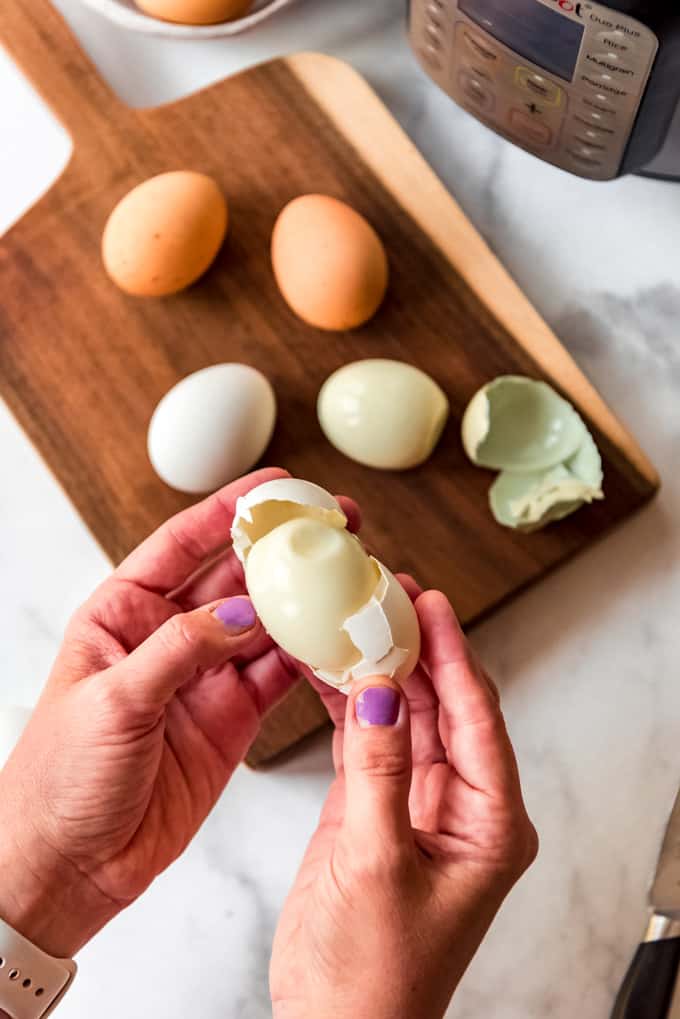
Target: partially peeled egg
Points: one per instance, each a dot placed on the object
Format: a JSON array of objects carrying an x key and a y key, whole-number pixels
[
  {"x": 318, "y": 593},
  {"x": 550, "y": 465}
]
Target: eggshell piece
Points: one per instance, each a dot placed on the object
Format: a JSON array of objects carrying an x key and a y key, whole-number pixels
[
  {"x": 329, "y": 262},
  {"x": 305, "y": 579},
  {"x": 275, "y": 502},
  {"x": 518, "y": 424},
  {"x": 165, "y": 233},
  {"x": 13, "y": 721},
  {"x": 211, "y": 427},
  {"x": 319, "y": 594},
  {"x": 382, "y": 413},
  {"x": 527, "y": 502},
  {"x": 386, "y": 632},
  {"x": 195, "y": 12}
]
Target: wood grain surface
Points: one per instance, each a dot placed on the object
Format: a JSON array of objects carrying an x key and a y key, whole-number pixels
[{"x": 82, "y": 365}]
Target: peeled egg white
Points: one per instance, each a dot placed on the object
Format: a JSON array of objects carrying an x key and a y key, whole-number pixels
[
  {"x": 211, "y": 427},
  {"x": 320, "y": 596},
  {"x": 382, "y": 413},
  {"x": 13, "y": 721}
]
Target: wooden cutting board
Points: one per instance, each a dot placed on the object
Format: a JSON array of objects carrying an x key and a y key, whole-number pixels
[{"x": 82, "y": 365}]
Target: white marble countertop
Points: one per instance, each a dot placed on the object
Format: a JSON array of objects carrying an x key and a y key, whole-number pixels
[{"x": 587, "y": 662}]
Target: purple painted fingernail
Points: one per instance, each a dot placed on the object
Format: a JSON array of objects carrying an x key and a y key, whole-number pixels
[
  {"x": 377, "y": 705},
  {"x": 236, "y": 615}
]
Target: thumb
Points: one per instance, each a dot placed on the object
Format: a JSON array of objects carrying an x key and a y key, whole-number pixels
[
  {"x": 377, "y": 762},
  {"x": 183, "y": 646}
]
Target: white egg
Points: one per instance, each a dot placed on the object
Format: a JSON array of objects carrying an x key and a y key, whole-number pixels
[
  {"x": 319, "y": 594},
  {"x": 13, "y": 721},
  {"x": 212, "y": 427}
]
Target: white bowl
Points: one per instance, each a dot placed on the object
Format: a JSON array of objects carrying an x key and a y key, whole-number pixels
[{"x": 125, "y": 13}]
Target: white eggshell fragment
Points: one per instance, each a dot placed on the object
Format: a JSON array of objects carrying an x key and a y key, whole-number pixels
[
  {"x": 13, "y": 721},
  {"x": 212, "y": 427},
  {"x": 318, "y": 593},
  {"x": 275, "y": 502},
  {"x": 518, "y": 424},
  {"x": 382, "y": 413}
]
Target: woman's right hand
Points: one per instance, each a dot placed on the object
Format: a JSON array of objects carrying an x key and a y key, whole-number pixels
[{"x": 423, "y": 835}]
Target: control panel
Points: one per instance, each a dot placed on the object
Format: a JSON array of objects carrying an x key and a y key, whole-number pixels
[{"x": 562, "y": 79}]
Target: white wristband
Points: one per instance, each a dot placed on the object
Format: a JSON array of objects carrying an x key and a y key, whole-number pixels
[{"x": 31, "y": 983}]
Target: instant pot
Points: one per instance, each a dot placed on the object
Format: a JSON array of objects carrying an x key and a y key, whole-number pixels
[{"x": 593, "y": 88}]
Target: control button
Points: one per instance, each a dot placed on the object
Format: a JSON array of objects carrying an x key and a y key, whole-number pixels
[
  {"x": 539, "y": 86},
  {"x": 589, "y": 140},
  {"x": 586, "y": 164},
  {"x": 606, "y": 83},
  {"x": 477, "y": 45},
  {"x": 586, "y": 154},
  {"x": 617, "y": 40},
  {"x": 433, "y": 40},
  {"x": 610, "y": 63},
  {"x": 435, "y": 7},
  {"x": 432, "y": 56},
  {"x": 529, "y": 128},
  {"x": 433, "y": 34},
  {"x": 592, "y": 124},
  {"x": 600, "y": 107},
  {"x": 476, "y": 90}
]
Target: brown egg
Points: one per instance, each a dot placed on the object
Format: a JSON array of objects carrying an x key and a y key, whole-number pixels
[
  {"x": 329, "y": 263},
  {"x": 164, "y": 233},
  {"x": 195, "y": 12}
]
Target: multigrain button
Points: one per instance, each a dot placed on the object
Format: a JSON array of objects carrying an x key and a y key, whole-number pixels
[{"x": 538, "y": 85}]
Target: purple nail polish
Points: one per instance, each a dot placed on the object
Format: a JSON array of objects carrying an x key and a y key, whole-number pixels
[
  {"x": 236, "y": 615},
  {"x": 377, "y": 705}
]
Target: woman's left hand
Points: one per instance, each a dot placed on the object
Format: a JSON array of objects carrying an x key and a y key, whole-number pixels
[{"x": 155, "y": 698}]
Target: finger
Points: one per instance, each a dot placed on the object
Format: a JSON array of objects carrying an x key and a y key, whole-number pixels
[
  {"x": 411, "y": 586},
  {"x": 182, "y": 648},
  {"x": 423, "y": 703},
  {"x": 178, "y": 548},
  {"x": 473, "y": 731},
  {"x": 268, "y": 679},
  {"x": 377, "y": 764}
]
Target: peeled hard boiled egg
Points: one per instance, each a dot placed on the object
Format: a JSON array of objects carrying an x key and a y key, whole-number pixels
[
  {"x": 549, "y": 463},
  {"x": 13, "y": 721},
  {"x": 382, "y": 413},
  {"x": 329, "y": 262},
  {"x": 211, "y": 427},
  {"x": 195, "y": 12},
  {"x": 318, "y": 593},
  {"x": 164, "y": 233}
]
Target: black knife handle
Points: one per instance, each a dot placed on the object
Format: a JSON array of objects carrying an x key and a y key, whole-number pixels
[{"x": 647, "y": 991}]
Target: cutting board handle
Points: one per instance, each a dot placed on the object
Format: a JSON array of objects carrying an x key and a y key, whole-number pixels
[{"x": 43, "y": 46}]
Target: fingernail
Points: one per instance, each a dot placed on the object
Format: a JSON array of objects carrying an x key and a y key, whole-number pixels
[
  {"x": 236, "y": 615},
  {"x": 377, "y": 705}
]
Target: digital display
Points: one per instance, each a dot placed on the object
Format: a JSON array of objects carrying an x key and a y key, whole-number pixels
[{"x": 530, "y": 29}]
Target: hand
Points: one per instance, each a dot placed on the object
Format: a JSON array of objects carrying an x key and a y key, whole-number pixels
[
  {"x": 155, "y": 698},
  {"x": 396, "y": 891}
]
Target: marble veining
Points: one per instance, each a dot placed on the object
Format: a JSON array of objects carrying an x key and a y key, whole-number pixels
[{"x": 588, "y": 662}]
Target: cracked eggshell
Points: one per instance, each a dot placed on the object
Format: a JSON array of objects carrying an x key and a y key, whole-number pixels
[
  {"x": 318, "y": 593},
  {"x": 275, "y": 502},
  {"x": 529, "y": 501},
  {"x": 518, "y": 425},
  {"x": 13, "y": 721}
]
